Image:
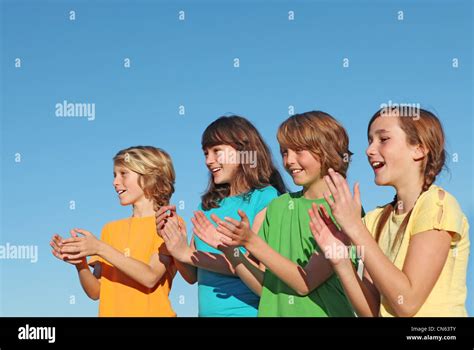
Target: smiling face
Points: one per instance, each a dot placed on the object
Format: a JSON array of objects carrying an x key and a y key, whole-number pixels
[
  {"x": 126, "y": 185},
  {"x": 302, "y": 166},
  {"x": 393, "y": 160},
  {"x": 220, "y": 160}
]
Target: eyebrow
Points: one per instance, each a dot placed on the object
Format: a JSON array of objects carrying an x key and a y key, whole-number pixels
[{"x": 380, "y": 131}]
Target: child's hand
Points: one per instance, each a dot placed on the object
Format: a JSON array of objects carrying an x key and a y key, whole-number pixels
[
  {"x": 80, "y": 247},
  {"x": 175, "y": 238},
  {"x": 238, "y": 233},
  {"x": 56, "y": 245},
  {"x": 207, "y": 232},
  {"x": 162, "y": 215},
  {"x": 345, "y": 207},
  {"x": 330, "y": 239}
]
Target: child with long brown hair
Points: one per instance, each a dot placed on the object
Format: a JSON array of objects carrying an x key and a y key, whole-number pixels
[
  {"x": 415, "y": 248},
  {"x": 242, "y": 178},
  {"x": 133, "y": 272}
]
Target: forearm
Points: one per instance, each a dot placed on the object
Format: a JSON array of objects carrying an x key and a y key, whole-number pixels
[
  {"x": 392, "y": 283},
  {"x": 209, "y": 261},
  {"x": 188, "y": 272},
  {"x": 90, "y": 284},
  {"x": 295, "y": 276},
  {"x": 363, "y": 300},
  {"x": 247, "y": 271},
  {"x": 133, "y": 268}
]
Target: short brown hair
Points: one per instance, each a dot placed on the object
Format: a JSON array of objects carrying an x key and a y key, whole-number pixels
[{"x": 320, "y": 134}]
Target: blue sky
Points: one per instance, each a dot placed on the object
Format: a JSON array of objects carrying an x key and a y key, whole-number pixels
[{"x": 191, "y": 63}]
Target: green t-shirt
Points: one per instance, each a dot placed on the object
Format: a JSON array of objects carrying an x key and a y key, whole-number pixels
[{"x": 286, "y": 229}]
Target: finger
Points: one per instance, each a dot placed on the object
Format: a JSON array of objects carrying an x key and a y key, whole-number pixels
[
  {"x": 161, "y": 219},
  {"x": 318, "y": 221},
  {"x": 216, "y": 219},
  {"x": 330, "y": 182},
  {"x": 231, "y": 221},
  {"x": 329, "y": 200},
  {"x": 226, "y": 241},
  {"x": 196, "y": 224},
  {"x": 55, "y": 246},
  {"x": 226, "y": 232},
  {"x": 325, "y": 215},
  {"x": 57, "y": 254},
  {"x": 231, "y": 227},
  {"x": 71, "y": 257},
  {"x": 165, "y": 209},
  {"x": 244, "y": 217},
  {"x": 70, "y": 249},
  {"x": 57, "y": 240},
  {"x": 357, "y": 193},
  {"x": 83, "y": 232},
  {"x": 71, "y": 240},
  {"x": 200, "y": 217},
  {"x": 199, "y": 234}
]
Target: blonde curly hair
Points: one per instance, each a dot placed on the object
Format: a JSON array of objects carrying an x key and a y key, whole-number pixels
[{"x": 155, "y": 170}]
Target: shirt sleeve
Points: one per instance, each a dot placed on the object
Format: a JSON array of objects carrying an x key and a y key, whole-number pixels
[
  {"x": 265, "y": 196},
  {"x": 265, "y": 227},
  {"x": 439, "y": 210}
]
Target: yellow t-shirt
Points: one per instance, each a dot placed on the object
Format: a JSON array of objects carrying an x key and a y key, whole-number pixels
[
  {"x": 120, "y": 295},
  {"x": 436, "y": 209}
]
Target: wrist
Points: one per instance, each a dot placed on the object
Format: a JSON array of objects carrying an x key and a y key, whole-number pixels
[
  {"x": 82, "y": 265},
  {"x": 252, "y": 242},
  {"x": 185, "y": 256},
  {"x": 99, "y": 248}
]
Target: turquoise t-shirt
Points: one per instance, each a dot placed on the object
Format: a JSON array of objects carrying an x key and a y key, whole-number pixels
[{"x": 227, "y": 296}]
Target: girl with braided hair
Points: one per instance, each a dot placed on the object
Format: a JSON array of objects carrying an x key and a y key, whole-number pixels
[
  {"x": 415, "y": 248},
  {"x": 133, "y": 270}
]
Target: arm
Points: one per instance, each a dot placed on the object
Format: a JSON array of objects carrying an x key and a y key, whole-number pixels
[
  {"x": 188, "y": 257},
  {"x": 363, "y": 296},
  {"x": 405, "y": 290},
  {"x": 147, "y": 275},
  {"x": 302, "y": 280},
  {"x": 89, "y": 282},
  {"x": 244, "y": 266}
]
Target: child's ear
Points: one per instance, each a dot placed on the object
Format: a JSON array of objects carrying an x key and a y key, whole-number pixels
[{"x": 419, "y": 152}]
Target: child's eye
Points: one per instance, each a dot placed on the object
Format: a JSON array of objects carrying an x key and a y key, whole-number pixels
[{"x": 383, "y": 139}]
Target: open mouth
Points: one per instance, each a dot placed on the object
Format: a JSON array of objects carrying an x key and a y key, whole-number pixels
[
  {"x": 215, "y": 170},
  {"x": 120, "y": 192},
  {"x": 295, "y": 171},
  {"x": 377, "y": 165}
]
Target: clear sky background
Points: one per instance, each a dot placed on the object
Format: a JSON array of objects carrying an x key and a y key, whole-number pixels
[{"x": 191, "y": 63}]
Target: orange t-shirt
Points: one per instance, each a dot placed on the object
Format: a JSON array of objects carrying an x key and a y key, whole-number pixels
[{"x": 119, "y": 294}]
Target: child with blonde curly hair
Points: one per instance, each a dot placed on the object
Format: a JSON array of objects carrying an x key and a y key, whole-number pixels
[{"x": 133, "y": 271}]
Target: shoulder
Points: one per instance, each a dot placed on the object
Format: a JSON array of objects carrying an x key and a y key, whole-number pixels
[
  {"x": 282, "y": 201},
  {"x": 438, "y": 209},
  {"x": 436, "y": 197},
  {"x": 265, "y": 192}
]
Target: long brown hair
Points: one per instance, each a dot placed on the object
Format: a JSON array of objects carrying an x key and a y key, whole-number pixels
[
  {"x": 239, "y": 133},
  {"x": 322, "y": 135},
  {"x": 426, "y": 130}
]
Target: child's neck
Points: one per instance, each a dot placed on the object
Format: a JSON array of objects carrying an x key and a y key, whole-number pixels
[
  {"x": 236, "y": 190},
  {"x": 407, "y": 194},
  {"x": 315, "y": 190},
  {"x": 143, "y": 208}
]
